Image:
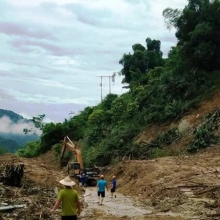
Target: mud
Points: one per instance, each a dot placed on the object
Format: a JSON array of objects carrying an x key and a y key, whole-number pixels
[{"x": 121, "y": 206}]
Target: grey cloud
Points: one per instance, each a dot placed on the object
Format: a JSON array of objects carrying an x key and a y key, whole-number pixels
[
  {"x": 82, "y": 14},
  {"x": 3, "y": 74},
  {"x": 94, "y": 17},
  {"x": 104, "y": 18},
  {"x": 33, "y": 46},
  {"x": 167, "y": 38},
  {"x": 28, "y": 64},
  {"x": 48, "y": 6},
  {"x": 135, "y": 1},
  {"x": 11, "y": 28},
  {"x": 5, "y": 96},
  {"x": 87, "y": 20}
]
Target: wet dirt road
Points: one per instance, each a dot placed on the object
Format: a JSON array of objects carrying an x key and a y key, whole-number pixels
[{"x": 121, "y": 206}]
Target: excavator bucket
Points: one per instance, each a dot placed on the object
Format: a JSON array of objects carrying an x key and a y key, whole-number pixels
[{"x": 63, "y": 163}]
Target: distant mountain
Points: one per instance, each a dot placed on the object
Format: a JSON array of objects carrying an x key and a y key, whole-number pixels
[
  {"x": 11, "y": 131},
  {"x": 13, "y": 116}
]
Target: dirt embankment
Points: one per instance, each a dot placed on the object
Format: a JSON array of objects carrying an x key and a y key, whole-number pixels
[{"x": 186, "y": 187}]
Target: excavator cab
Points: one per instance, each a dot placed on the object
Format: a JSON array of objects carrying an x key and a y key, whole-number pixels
[{"x": 74, "y": 169}]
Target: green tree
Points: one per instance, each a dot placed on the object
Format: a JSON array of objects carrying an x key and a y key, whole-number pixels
[
  {"x": 198, "y": 33},
  {"x": 171, "y": 17},
  {"x": 31, "y": 149},
  {"x": 137, "y": 65},
  {"x": 52, "y": 133},
  {"x": 38, "y": 123},
  {"x": 106, "y": 104},
  {"x": 75, "y": 127}
]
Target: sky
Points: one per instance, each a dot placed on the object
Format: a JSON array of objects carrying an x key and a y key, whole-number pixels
[{"x": 53, "y": 52}]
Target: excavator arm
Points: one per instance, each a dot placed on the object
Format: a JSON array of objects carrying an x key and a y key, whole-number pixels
[{"x": 68, "y": 144}]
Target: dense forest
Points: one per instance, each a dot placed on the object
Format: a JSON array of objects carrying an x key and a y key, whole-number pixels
[{"x": 160, "y": 90}]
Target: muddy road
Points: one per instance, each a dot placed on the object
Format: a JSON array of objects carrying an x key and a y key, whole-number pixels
[{"x": 121, "y": 206}]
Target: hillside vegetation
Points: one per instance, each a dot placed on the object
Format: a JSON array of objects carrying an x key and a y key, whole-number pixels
[{"x": 161, "y": 92}]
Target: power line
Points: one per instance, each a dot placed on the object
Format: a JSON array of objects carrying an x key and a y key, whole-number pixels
[{"x": 110, "y": 78}]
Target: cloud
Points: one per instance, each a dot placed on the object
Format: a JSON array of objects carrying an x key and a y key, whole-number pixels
[
  {"x": 41, "y": 97},
  {"x": 5, "y": 96},
  {"x": 8, "y": 126},
  {"x": 11, "y": 28},
  {"x": 119, "y": 15},
  {"x": 40, "y": 47},
  {"x": 35, "y": 3}
]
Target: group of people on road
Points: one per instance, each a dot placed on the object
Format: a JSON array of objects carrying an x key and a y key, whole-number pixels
[
  {"x": 102, "y": 185},
  {"x": 69, "y": 197}
]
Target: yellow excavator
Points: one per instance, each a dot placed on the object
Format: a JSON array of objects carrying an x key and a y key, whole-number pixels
[{"x": 76, "y": 169}]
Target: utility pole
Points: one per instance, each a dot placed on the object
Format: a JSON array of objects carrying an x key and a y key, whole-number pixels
[{"x": 109, "y": 83}]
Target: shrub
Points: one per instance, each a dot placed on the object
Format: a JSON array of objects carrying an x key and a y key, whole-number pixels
[
  {"x": 204, "y": 135},
  {"x": 32, "y": 149}
]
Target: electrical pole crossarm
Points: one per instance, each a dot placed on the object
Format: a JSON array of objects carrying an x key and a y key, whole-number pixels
[{"x": 101, "y": 85}]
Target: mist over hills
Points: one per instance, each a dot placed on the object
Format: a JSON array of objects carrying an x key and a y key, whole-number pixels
[{"x": 12, "y": 136}]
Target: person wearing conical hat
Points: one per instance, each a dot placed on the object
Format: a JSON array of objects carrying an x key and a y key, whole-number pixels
[{"x": 69, "y": 199}]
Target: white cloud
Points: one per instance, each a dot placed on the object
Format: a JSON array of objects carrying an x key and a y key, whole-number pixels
[
  {"x": 8, "y": 126},
  {"x": 38, "y": 2}
]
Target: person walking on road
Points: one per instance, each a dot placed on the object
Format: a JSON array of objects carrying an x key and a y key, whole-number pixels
[
  {"x": 113, "y": 186},
  {"x": 101, "y": 185},
  {"x": 69, "y": 199}
]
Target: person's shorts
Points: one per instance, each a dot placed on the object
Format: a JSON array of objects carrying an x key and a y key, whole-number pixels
[
  {"x": 70, "y": 217},
  {"x": 102, "y": 194},
  {"x": 112, "y": 190}
]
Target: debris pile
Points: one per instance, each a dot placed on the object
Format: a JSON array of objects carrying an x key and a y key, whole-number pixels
[
  {"x": 30, "y": 201},
  {"x": 12, "y": 174},
  {"x": 21, "y": 196}
]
